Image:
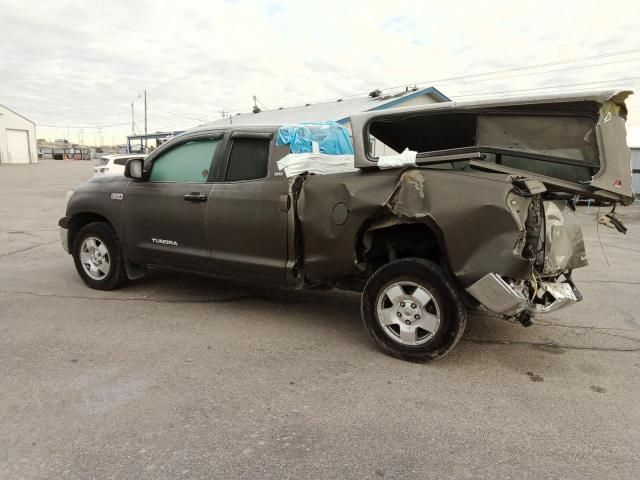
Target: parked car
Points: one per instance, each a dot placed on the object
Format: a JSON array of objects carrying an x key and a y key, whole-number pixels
[
  {"x": 112, "y": 164},
  {"x": 475, "y": 214}
]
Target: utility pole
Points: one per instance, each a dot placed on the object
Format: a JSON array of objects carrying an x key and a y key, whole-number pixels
[
  {"x": 145, "y": 121},
  {"x": 133, "y": 120}
]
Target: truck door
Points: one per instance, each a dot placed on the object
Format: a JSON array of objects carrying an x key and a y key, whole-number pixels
[
  {"x": 248, "y": 211},
  {"x": 165, "y": 216}
]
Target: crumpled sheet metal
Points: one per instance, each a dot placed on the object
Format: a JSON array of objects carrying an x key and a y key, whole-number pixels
[
  {"x": 564, "y": 244},
  {"x": 329, "y": 248},
  {"x": 478, "y": 231},
  {"x": 468, "y": 209}
]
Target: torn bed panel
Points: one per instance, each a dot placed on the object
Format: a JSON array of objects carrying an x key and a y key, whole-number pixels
[
  {"x": 445, "y": 198},
  {"x": 564, "y": 248},
  {"x": 330, "y": 243},
  {"x": 471, "y": 226}
]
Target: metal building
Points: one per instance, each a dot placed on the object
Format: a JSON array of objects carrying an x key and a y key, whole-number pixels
[
  {"x": 337, "y": 110},
  {"x": 340, "y": 110},
  {"x": 17, "y": 138}
]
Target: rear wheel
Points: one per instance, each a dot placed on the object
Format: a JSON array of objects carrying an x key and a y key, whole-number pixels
[
  {"x": 412, "y": 311},
  {"x": 98, "y": 258}
]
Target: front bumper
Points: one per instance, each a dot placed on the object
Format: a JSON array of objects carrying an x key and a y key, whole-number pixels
[{"x": 495, "y": 294}]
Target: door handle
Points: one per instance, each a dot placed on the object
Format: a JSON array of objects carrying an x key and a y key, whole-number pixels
[{"x": 195, "y": 197}]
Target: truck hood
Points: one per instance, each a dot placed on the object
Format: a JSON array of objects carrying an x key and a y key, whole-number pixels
[{"x": 572, "y": 142}]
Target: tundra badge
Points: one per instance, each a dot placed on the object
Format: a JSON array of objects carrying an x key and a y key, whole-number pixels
[{"x": 162, "y": 241}]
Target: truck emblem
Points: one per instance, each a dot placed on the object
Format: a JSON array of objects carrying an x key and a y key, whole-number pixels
[
  {"x": 162, "y": 241},
  {"x": 117, "y": 196}
]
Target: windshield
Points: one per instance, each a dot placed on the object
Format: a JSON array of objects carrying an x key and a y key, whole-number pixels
[{"x": 100, "y": 162}]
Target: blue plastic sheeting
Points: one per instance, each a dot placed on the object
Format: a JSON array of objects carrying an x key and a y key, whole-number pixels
[{"x": 330, "y": 137}]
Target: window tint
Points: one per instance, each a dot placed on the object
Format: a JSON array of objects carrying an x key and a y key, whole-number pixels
[
  {"x": 248, "y": 159},
  {"x": 120, "y": 161},
  {"x": 189, "y": 162}
]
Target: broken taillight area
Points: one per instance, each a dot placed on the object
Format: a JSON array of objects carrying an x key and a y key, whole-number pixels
[
  {"x": 525, "y": 298},
  {"x": 551, "y": 240}
]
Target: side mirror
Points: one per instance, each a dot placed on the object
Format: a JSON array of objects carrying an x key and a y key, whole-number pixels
[{"x": 133, "y": 168}]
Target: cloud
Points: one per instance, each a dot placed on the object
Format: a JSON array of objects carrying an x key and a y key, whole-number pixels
[{"x": 83, "y": 63}]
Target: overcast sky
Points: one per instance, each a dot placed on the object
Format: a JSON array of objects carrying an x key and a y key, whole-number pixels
[{"x": 82, "y": 63}]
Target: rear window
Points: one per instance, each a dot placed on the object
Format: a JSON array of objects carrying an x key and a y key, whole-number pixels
[{"x": 248, "y": 160}]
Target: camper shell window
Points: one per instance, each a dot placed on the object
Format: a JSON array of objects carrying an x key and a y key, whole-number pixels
[{"x": 557, "y": 144}]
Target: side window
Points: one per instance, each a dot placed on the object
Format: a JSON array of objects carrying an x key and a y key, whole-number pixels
[
  {"x": 120, "y": 161},
  {"x": 189, "y": 162},
  {"x": 248, "y": 159}
]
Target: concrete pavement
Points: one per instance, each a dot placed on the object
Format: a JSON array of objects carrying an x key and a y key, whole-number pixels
[{"x": 179, "y": 376}]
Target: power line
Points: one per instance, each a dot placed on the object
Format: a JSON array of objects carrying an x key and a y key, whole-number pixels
[
  {"x": 183, "y": 116},
  {"x": 461, "y": 78},
  {"x": 448, "y": 81},
  {"x": 553, "y": 86},
  {"x": 516, "y": 93},
  {"x": 530, "y": 67},
  {"x": 543, "y": 72}
]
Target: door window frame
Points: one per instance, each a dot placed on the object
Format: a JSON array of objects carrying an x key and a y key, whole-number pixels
[{"x": 229, "y": 140}]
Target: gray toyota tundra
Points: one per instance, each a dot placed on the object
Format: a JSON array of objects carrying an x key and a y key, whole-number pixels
[{"x": 476, "y": 212}]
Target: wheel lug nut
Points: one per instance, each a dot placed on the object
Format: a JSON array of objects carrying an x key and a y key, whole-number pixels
[
  {"x": 402, "y": 304},
  {"x": 413, "y": 305},
  {"x": 399, "y": 314},
  {"x": 417, "y": 317},
  {"x": 408, "y": 322}
]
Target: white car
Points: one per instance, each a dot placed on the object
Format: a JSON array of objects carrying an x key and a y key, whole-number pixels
[{"x": 112, "y": 164}]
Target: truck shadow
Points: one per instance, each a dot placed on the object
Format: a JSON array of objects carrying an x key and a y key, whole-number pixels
[{"x": 331, "y": 313}]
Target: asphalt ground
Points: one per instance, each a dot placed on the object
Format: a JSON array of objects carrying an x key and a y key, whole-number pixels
[{"x": 181, "y": 376}]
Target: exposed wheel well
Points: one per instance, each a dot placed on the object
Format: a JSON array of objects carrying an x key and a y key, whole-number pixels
[
  {"x": 388, "y": 240},
  {"x": 80, "y": 220}
]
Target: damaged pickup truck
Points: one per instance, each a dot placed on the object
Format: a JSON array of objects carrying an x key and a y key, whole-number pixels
[{"x": 471, "y": 209}]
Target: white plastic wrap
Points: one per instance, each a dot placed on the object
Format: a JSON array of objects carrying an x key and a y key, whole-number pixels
[
  {"x": 316, "y": 163},
  {"x": 408, "y": 157}
]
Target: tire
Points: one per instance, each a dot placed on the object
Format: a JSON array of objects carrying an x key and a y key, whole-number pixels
[
  {"x": 106, "y": 272},
  {"x": 412, "y": 310}
]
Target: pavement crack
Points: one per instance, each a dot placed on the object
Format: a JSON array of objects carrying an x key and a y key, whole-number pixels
[
  {"x": 554, "y": 345},
  {"x": 28, "y": 248},
  {"x": 615, "y": 282},
  {"x": 622, "y": 248},
  {"x": 237, "y": 298}
]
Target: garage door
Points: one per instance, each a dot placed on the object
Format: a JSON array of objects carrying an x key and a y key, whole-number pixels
[{"x": 18, "y": 146}]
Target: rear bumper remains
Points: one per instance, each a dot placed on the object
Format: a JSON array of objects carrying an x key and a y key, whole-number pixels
[{"x": 495, "y": 294}]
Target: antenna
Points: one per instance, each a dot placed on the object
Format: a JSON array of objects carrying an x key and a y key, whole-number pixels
[{"x": 256, "y": 108}]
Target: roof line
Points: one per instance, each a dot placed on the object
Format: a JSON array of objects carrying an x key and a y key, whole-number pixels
[
  {"x": 425, "y": 91},
  {"x": 16, "y": 113}
]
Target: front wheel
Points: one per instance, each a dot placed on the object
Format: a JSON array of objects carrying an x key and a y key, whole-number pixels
[
  {"x": 412, "y": 311},
  {"x": 98, "y": 258}
]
